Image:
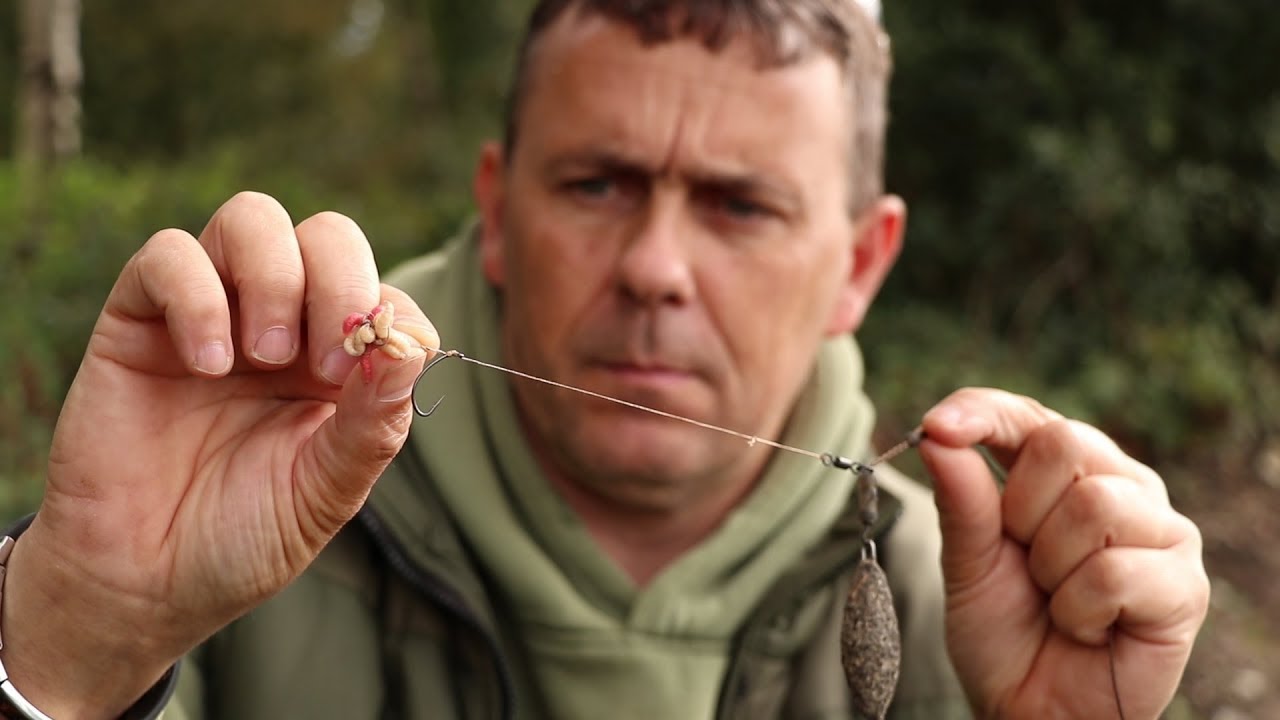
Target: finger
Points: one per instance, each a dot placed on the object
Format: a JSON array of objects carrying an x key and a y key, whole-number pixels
[
  {"x": 1045, "y": 453},
  {"x": 251, "y": 242},
  {"x": 1155, "y": 595},
  {"x": 411, "y": 321},
  {"x": 353, "y": 447},
  {"x": 1147, "y": 604},
  {"x": 170, "y": 277},
  {"x": 968, "y": 503},
  {"x": 1048, "y": 462},
  {"x": 1051, "y": 458},
  {"x": 965, "y": 491},
  {"x": 342, "y": 278},
  {"x": 370, "y": 424},
  {"x": 1095, "y": 513},
  {"x": 983, "y": 416}
]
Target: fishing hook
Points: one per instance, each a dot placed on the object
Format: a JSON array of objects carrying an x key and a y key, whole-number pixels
[{"x": 441, "y": 356}]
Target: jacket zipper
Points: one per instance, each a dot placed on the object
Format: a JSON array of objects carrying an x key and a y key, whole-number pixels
[{"x": 440, "y": 594}]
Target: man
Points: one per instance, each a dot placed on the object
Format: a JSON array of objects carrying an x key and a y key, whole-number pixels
[{"x": 686, "y": 214}]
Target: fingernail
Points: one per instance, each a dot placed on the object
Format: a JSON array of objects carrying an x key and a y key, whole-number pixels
[
  {"x": 275, "y": 346},
  {"x": 213, "y": 358},
  {"x": 954, "y": 419},
  {"x": 336, "y": 366},
  {"x": 947, "y": 415},
  {"x": 396, "y": 383}
]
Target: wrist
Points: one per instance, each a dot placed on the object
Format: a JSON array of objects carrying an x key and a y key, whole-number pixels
[
  {"x": 64, "y": 661},
  {"x": 12, "y": 702}
]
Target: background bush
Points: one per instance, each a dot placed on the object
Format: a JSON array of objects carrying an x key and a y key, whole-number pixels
[{"x": 1095, "y": 214}]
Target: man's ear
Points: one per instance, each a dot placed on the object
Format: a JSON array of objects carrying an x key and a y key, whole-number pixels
[
  {"x": 877, "y": 241},
  {"x": 489, "y": 188}
]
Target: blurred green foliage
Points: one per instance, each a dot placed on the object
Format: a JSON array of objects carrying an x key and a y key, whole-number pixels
[
  {"x": 1094, "y": 189},
  {"x": 63, "y": 250},
  {"x": 1095, "y": 194}
]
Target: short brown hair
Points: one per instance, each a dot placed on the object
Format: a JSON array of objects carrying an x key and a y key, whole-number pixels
[{"x": 783, "y": 32}]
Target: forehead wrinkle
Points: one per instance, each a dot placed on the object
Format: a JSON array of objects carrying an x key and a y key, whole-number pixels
[
  {"x": 694, "y": 149},
  {"x": 676, "y": 120},
  {"x": 656, "y": 133},
  {"x": 667, "y": 169},
  {"x": 609, "y": 46}
]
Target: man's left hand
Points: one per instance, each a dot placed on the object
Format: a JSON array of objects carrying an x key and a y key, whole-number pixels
[{"x": 1076, "y": 588}]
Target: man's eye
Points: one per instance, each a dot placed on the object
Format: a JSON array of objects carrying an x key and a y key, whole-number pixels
[
  {"x": 594, "y": 187},
  {"x": 742, "y": 208},
  {"x": 739, "y": 207}
]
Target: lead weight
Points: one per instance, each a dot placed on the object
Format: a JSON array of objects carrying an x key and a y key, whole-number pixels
[{"x": 870, "y": 646}]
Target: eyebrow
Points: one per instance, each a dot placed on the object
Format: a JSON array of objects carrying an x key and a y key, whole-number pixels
[
  {"x": 597, "y": 159},
  {"x": 750, "y": 186},
  {"x": 730, "y": 181}
]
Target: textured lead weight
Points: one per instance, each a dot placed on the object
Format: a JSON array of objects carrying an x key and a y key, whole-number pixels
[{"x": 870, "y": 648}]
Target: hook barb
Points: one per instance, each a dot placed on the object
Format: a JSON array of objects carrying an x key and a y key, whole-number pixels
[{"x": 440, "y": 356}]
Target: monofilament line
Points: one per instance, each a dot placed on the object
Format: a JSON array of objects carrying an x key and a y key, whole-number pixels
[
  {"x": 751, "y": 440},
  {"x": 912, "y": 440}
]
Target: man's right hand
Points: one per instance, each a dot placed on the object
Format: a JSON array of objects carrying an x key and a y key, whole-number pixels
[{"x": 213, "y": 441}]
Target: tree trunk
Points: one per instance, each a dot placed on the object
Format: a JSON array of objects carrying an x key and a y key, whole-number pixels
[{"x": 48, "y": 117}]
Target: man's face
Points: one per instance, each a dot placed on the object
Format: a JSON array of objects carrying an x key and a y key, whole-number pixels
[{"x": 671, "y": 230}]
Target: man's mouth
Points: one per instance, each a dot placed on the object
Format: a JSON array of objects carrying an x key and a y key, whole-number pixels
[
  {"x": 646, "y": 371},
  {"x": 645, "y": 381},
  {"x": 652, "y": 385}
]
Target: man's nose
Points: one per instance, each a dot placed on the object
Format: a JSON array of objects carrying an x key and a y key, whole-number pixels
[{"x": 656, "y": 267}]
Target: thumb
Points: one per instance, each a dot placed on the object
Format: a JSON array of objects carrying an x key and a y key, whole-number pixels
[
  {"x": 969, "y": 510},
  {"x": 350, "y": 450}
]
